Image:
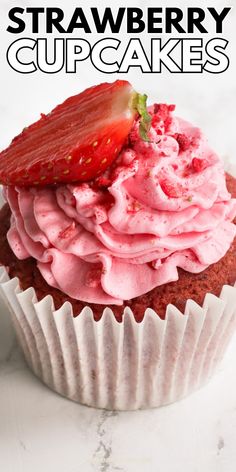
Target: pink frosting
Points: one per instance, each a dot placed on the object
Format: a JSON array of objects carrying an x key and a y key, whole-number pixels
[{"x": 166, "y": 207}]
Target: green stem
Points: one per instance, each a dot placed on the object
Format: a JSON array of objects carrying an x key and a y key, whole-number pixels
[{"x": 140, "y": 104}]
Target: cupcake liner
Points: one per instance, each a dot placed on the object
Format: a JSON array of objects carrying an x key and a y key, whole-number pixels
[{"x": 122, "y": 366}]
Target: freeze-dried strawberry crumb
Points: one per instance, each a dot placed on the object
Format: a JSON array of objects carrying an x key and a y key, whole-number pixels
[
  {"x": 183, "y": 141},
  {"x": 103, "y": 181},
  {"x": 168, "y": 122},
  {"x": 162, "y": 115},
  {"x": 163, "y": 110},
  {"x": 199, "y": 164},
  {"x": 172, "y": 190}
]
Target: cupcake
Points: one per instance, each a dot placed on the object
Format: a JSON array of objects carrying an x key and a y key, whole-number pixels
[{"x": 117, "y": 250}]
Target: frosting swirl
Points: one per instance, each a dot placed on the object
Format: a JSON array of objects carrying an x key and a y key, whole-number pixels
[{"x": 164, "y": 205}]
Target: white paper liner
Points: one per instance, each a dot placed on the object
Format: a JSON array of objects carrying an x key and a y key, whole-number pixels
[{"x": 121, "y": 366}]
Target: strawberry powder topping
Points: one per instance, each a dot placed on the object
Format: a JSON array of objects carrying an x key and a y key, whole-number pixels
[{"x": 162, "y": 205}]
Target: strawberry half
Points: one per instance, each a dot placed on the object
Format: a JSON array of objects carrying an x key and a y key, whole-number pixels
[{"x": 78, "y": 140}]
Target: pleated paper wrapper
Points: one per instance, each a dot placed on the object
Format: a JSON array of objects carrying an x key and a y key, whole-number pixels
[{"x": 121, "y": 366}]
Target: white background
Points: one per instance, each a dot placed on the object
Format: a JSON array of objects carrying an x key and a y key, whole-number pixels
[{"x": 41, "y": 431}]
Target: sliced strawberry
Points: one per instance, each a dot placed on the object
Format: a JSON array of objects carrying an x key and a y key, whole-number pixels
[{"x": 78, "y": 140}]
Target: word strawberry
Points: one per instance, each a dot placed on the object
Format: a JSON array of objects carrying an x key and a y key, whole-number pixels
[{"x": 78, "y": 140}]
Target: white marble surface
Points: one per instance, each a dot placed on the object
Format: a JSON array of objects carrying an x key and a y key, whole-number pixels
[{"x": 38, "y": 429}]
